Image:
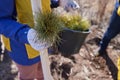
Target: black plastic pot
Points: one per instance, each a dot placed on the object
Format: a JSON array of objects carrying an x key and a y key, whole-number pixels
[{"x": 71, "y": 41}]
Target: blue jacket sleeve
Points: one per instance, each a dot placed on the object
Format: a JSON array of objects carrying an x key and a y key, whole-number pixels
[{"x": 9, "y": 27}]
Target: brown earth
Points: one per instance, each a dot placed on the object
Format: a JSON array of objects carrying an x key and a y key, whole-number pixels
[{"x": 83, "y": 65}]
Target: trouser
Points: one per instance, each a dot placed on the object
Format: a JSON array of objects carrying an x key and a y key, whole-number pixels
[
  {"x": 32, "y": 72},
  {"x": 112, "y": 30}
]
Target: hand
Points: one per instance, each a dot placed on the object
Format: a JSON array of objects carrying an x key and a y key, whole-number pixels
[
  {"x": 40, "y": 46},
  {"x": 36, "y": 43},
  {"x": 69, "y": 4}
]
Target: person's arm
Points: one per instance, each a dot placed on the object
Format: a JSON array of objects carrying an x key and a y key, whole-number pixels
[
  {"x": 14, "y": 30},
  {"x": 9, "y": 27}
]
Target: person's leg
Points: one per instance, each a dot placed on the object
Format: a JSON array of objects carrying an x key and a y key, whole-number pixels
[
  {"x": 39, "y": 74},
  {"x": 112, "y": 31},
  {"x": 30, "y": 72},
  {"x": 110, "y": 34}
]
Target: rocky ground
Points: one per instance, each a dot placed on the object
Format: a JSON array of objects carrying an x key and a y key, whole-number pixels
[{"x": 83, "y": 65}]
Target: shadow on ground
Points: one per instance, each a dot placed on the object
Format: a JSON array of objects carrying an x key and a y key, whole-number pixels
[{"x": 113, "y": 69}]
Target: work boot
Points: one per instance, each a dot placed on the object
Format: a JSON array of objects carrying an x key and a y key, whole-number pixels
[{"x": 100, "y": 52}]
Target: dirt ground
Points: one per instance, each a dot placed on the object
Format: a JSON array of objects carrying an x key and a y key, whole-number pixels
[{"x": 83, "y": 65}]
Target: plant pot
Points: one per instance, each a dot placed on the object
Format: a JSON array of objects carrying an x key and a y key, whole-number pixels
[{"x": 71, "y": 41}]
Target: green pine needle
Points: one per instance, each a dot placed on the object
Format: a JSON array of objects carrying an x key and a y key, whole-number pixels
[{"x": 48, "y": 26}]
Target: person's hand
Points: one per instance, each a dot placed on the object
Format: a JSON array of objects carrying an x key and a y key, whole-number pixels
[
  {"x": 69, "y": 4},
  {"x": 36, "y": 43},
  {"x": 40, "y": 46}
]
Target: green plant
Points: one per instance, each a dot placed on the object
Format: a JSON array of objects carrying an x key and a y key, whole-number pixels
[
  {"x": 48, "y": 26},
  {"x": 76, "y": 22}
]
